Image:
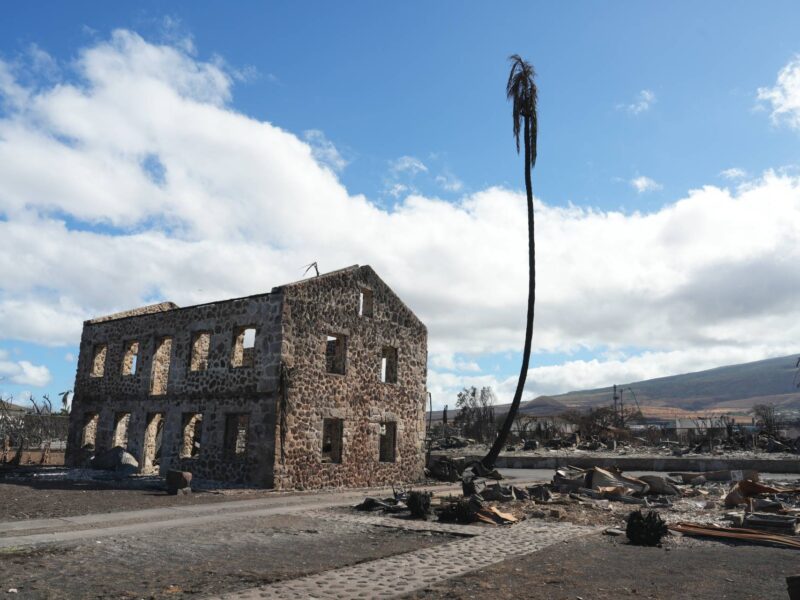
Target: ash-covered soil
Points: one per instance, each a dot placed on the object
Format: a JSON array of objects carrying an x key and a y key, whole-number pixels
[
  {"x": 203, "y": 561},
  {"x": 26, "y": 498},
  {"x": 608, "y": 568}
]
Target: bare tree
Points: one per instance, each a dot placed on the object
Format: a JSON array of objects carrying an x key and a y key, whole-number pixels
[
  {"x": 769, "y": 419},
  {"x": 37, "y": 427},
  {"x": 592, "y": 422},
  {"x": 475, "y": 415}
]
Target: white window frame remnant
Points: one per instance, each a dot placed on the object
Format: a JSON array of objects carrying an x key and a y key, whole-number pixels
[{"x": 366, "y": 303}]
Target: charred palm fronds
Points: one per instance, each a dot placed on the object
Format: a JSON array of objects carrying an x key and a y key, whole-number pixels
[{"x": 645, "y": 530}]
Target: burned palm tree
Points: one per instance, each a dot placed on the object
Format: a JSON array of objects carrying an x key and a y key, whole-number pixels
[{"x": 522, "y": 92}]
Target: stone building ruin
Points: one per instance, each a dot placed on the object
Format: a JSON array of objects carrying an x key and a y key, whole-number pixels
[{"x": 319, "y": 383}]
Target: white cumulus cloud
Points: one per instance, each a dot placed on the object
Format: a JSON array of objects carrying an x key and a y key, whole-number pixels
[
  {"x": 408, "y": 164},
  {"x": 449, "y": 182},
  {"x": 323, "y": 150},
  {"x": 449, "y": 362},
  {"x": 644, "y": 184},
  {"x": 138, "y": 181},
  {"x": 784, "y": 97},
  {"x": 733, "y": 173},
  {"x": 642, "y": 103},
  {"x": 23, "y": 372}
]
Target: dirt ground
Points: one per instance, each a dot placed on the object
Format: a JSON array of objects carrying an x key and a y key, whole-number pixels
[
  {"x": 45, "y": 495},
  {"x": 209, "y": 560},
  {"x": 30, "y": 499},
  {"x": 201, "y": 562},
  {"x": 601, "y": 567}
]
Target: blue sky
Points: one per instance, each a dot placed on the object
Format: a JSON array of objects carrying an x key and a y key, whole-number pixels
[{"x": 640, "y": 104}]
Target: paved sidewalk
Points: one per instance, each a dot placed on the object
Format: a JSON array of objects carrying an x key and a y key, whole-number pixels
[
  {"x": 67, "y": 529},
  {"x": 405, "y": 573}
]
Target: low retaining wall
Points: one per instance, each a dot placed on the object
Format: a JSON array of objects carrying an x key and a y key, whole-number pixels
[
  {"x": 648, "y": 463},
  {"x": 34, "y": 457}
]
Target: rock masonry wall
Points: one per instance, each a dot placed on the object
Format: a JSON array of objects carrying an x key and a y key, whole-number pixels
[
  {"x": 358, "y": 397},
  {"x": 164, "y": 387},
  {"x": 166, "y": 365}
]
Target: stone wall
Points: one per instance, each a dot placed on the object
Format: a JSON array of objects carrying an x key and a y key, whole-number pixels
[
  {"x": 164, "y": 384},
  {"x": 261, "y": 422},
  {"x": 313, "y": 311}
]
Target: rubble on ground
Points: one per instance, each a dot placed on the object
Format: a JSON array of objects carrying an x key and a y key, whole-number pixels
[
  {"x": 116, "y": 459},
  {"x": 622, "y": 443},
  {"x": 451, "y": 441},
  {"x": 720, "y": 500},
  {"x": 178, "y": 482},
  {"x": 113, "y": 479},
  {"x": 737, "y": 534}
]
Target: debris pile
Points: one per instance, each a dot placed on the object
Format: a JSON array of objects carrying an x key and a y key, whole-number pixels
[
  {"x": 116, "y": 459},
  {"x": 451, "y": 442},
  {"x": 416, "y": 503},
  {"x": 613, "y": 441},
  {"x": 178, "y": 482},
  {"x": 597, "y": 483},
  {"x": 730, "y": 504},
  {"x": 770, "y": 515},
  {"x": 444, "y": 468},
  {"x": 472, "y": 509},
  {"x": 737, "y": 534}
]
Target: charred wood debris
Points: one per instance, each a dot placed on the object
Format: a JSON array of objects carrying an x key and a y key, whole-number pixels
[
  {"x": 725, "y": 504},
  {"x": 621, "y": 441}
]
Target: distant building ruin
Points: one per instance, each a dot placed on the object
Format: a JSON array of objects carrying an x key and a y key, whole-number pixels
[{"x": 318, "y": 383}]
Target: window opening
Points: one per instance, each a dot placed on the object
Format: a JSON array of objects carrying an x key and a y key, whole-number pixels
[
  {"x": 192, "y": 431},
  {"x": 332, "y": 433},
  {"x": 201, "y": 343},
  {"x": 388, "y": 436},
  {"x": 130, "y": 358},
  {"x": 244, "y": 346},
  {"x": 153, "y": 437},
  {"x": 389, "y": 364},
  {"x": 89, "y": 433},
  {"x": 365, "y": 303},
  {"x": 99, "y": 360},
  {"x": 236, "y": 427},
  {"x": 121, "y": 422},
  {"x": 160, "y": 372},
  {"x": 335, "y": 354}
]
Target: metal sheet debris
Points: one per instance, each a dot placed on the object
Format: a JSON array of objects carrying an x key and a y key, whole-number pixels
[{"x": 731, "y": 533}]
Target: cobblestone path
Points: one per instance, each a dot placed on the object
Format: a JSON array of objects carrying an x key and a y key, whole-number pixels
[{"x": 404, "y": 573}]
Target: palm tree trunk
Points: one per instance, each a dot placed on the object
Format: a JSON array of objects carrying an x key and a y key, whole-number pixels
[{"x": 491, "y": 457}]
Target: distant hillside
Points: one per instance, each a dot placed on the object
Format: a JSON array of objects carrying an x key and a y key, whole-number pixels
[
  {"x": 735, "y": 388},
  {"x": 542, "y": 406},
  {"x": 724, "y": 388}
]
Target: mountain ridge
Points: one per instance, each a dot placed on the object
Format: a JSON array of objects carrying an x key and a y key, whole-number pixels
[{"x": 730, "y": 389}]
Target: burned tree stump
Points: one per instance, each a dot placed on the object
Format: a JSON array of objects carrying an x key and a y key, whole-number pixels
[{"x": 419, "y": 503}]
